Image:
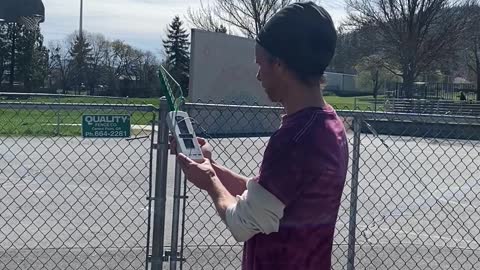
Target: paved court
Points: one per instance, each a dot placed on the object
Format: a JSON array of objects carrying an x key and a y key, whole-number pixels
[
  {"x": 416, "y": 210},
  {"x": 81, "y": 203}
]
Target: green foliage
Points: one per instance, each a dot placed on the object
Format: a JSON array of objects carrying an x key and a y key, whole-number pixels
[
  {"x": 372, "y": 74},
  {"x": 176, "y": 47},
  {"x": 81, "y": 54},
  {"x": 31, "y": 58},
  {"x": 4, "y": 50}
]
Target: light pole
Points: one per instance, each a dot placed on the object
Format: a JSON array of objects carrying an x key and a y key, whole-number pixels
[{"x": 81, "y": 20}]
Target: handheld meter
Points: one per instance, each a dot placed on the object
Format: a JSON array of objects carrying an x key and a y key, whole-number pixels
[
  {"x": 181, "y": 127},
  {"x": 178, "y": 121}
]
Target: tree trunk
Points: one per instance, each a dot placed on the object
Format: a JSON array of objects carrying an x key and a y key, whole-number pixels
[
  {"x": 408, "y": 83},
  {"x": 477, "y": 62},
  {"x": 478, "y": 82}
]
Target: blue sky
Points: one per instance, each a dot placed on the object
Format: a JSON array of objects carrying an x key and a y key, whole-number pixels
[{"x": 141, "y": 23}]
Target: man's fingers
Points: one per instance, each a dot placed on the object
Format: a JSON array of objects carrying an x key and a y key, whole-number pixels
[
  {"x": 201, "y": 141},
  {"x": 184, "y": 160}
]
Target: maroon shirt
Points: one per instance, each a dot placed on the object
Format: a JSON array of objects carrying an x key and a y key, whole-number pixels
[{"x": 304, "y": 166}]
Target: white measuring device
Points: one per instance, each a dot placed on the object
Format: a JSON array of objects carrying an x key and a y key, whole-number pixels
[{"x": 181, "y": 127}]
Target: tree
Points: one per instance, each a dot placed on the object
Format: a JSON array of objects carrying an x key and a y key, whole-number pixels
[
  {"x": 373, "y": 65},
  {"x": 4, "y": 51},
  {"x": 80, "y": 51},
  {"x": 31, "y": 58},
  {"x": 176, "y": 48},
  {"x": 149, "y": 78},
  {"x": 60, "y": 63},
  {"x": 246, "y": 16},
  {"x": 373, "y": 75},
  {"x": 352, "y": 46},
  {"x": 411, "y": 33},
  {"x": 473, "y": 45},
  {"x": 97, "y": 56},
  {"x": 115, "y": 67}
]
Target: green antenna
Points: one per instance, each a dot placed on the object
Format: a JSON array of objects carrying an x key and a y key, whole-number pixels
[{"x": 173, "y": 94}]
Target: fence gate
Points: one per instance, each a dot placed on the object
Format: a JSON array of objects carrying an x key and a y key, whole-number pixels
[{"x": 68, "y": 202}]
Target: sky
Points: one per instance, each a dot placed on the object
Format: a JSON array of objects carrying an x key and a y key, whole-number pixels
[{"x": 140, "y": 23}]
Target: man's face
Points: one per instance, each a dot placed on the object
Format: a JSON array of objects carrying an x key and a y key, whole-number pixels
[{"x": 268, "y": 74}]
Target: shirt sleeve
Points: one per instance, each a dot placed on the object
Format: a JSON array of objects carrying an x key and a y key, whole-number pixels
[
  {"x": 284, "y": 170},
  {"x": 256, "y": 211}
]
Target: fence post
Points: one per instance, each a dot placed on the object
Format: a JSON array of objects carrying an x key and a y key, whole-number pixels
[
  {"x": 160, "y": 189},
  {"x": 177, "y": 196},
  {"x": 354, "y": 193},
  {"x": 176, "y": 218},
  {"x": 57, "y": 131}
]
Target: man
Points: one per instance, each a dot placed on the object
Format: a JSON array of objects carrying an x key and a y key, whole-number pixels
[{"x": 286, "y": 216}]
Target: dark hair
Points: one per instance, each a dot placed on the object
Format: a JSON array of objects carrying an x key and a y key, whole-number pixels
[{"x": 304, "y": 77}]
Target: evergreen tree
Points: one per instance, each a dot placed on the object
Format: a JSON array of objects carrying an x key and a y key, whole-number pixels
[
  {"x": 81, "y": 53},
  {"x": 4, "y": 51},
  {"x": 176, "y": 48},
  {"x": 32, "y": 55}
]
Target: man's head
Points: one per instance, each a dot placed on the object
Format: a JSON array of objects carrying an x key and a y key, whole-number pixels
[{"x": 296, "y": 45}]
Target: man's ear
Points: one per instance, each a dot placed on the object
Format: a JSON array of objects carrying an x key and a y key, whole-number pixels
[{"x": 281, "y": 66}]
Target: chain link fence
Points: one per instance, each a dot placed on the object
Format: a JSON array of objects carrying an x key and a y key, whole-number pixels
[
  {"x": 69, "y": 202},
  {"x": 409, "y": 203}
]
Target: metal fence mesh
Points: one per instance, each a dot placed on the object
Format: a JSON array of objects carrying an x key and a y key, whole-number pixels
[
  {"x": 74, "y": 203},
  {"x": 69, "y": 202},
  {"x": 239, "y": 135},
  {"x": 418, "y": 193},
  {"x": 417, "y": 189}
]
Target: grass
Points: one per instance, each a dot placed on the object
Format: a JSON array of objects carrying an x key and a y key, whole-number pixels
[
  {"x": 350, "y": 103},
  {"x": 14, "y": 122}
]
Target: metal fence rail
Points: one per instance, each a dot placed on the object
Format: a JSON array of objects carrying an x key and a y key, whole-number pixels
[{"x": 72, "y": 203}]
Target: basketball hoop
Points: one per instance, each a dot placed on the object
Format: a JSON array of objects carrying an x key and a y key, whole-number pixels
[{"x": 30, "y": 22}]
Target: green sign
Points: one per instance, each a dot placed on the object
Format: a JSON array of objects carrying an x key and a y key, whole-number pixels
[{"x": 105, "y": 126}]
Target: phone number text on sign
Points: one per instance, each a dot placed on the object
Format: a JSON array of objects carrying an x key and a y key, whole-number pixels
[{"x": 105, "y": 126}]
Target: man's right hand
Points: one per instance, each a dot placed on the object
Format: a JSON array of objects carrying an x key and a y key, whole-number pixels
[{"x": 204, "y": 145}]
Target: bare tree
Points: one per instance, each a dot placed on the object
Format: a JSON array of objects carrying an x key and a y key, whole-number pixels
[
  {"x": 98, "y": 54},
  {"x": 473, "y": 44},
  {"x": 246, "y": 16},
  {"x": 411, "y": 33},
  {"x": 60, "y": 63}
]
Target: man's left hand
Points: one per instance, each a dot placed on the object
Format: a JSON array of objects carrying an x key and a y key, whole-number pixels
[{"x": 202, "y": 175}]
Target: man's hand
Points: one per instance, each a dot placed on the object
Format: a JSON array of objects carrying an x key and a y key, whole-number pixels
[
  {"x": 202, "y": 175},
  {"x": 204, "y": 145},
  {"x": 233, "y": 182}
]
